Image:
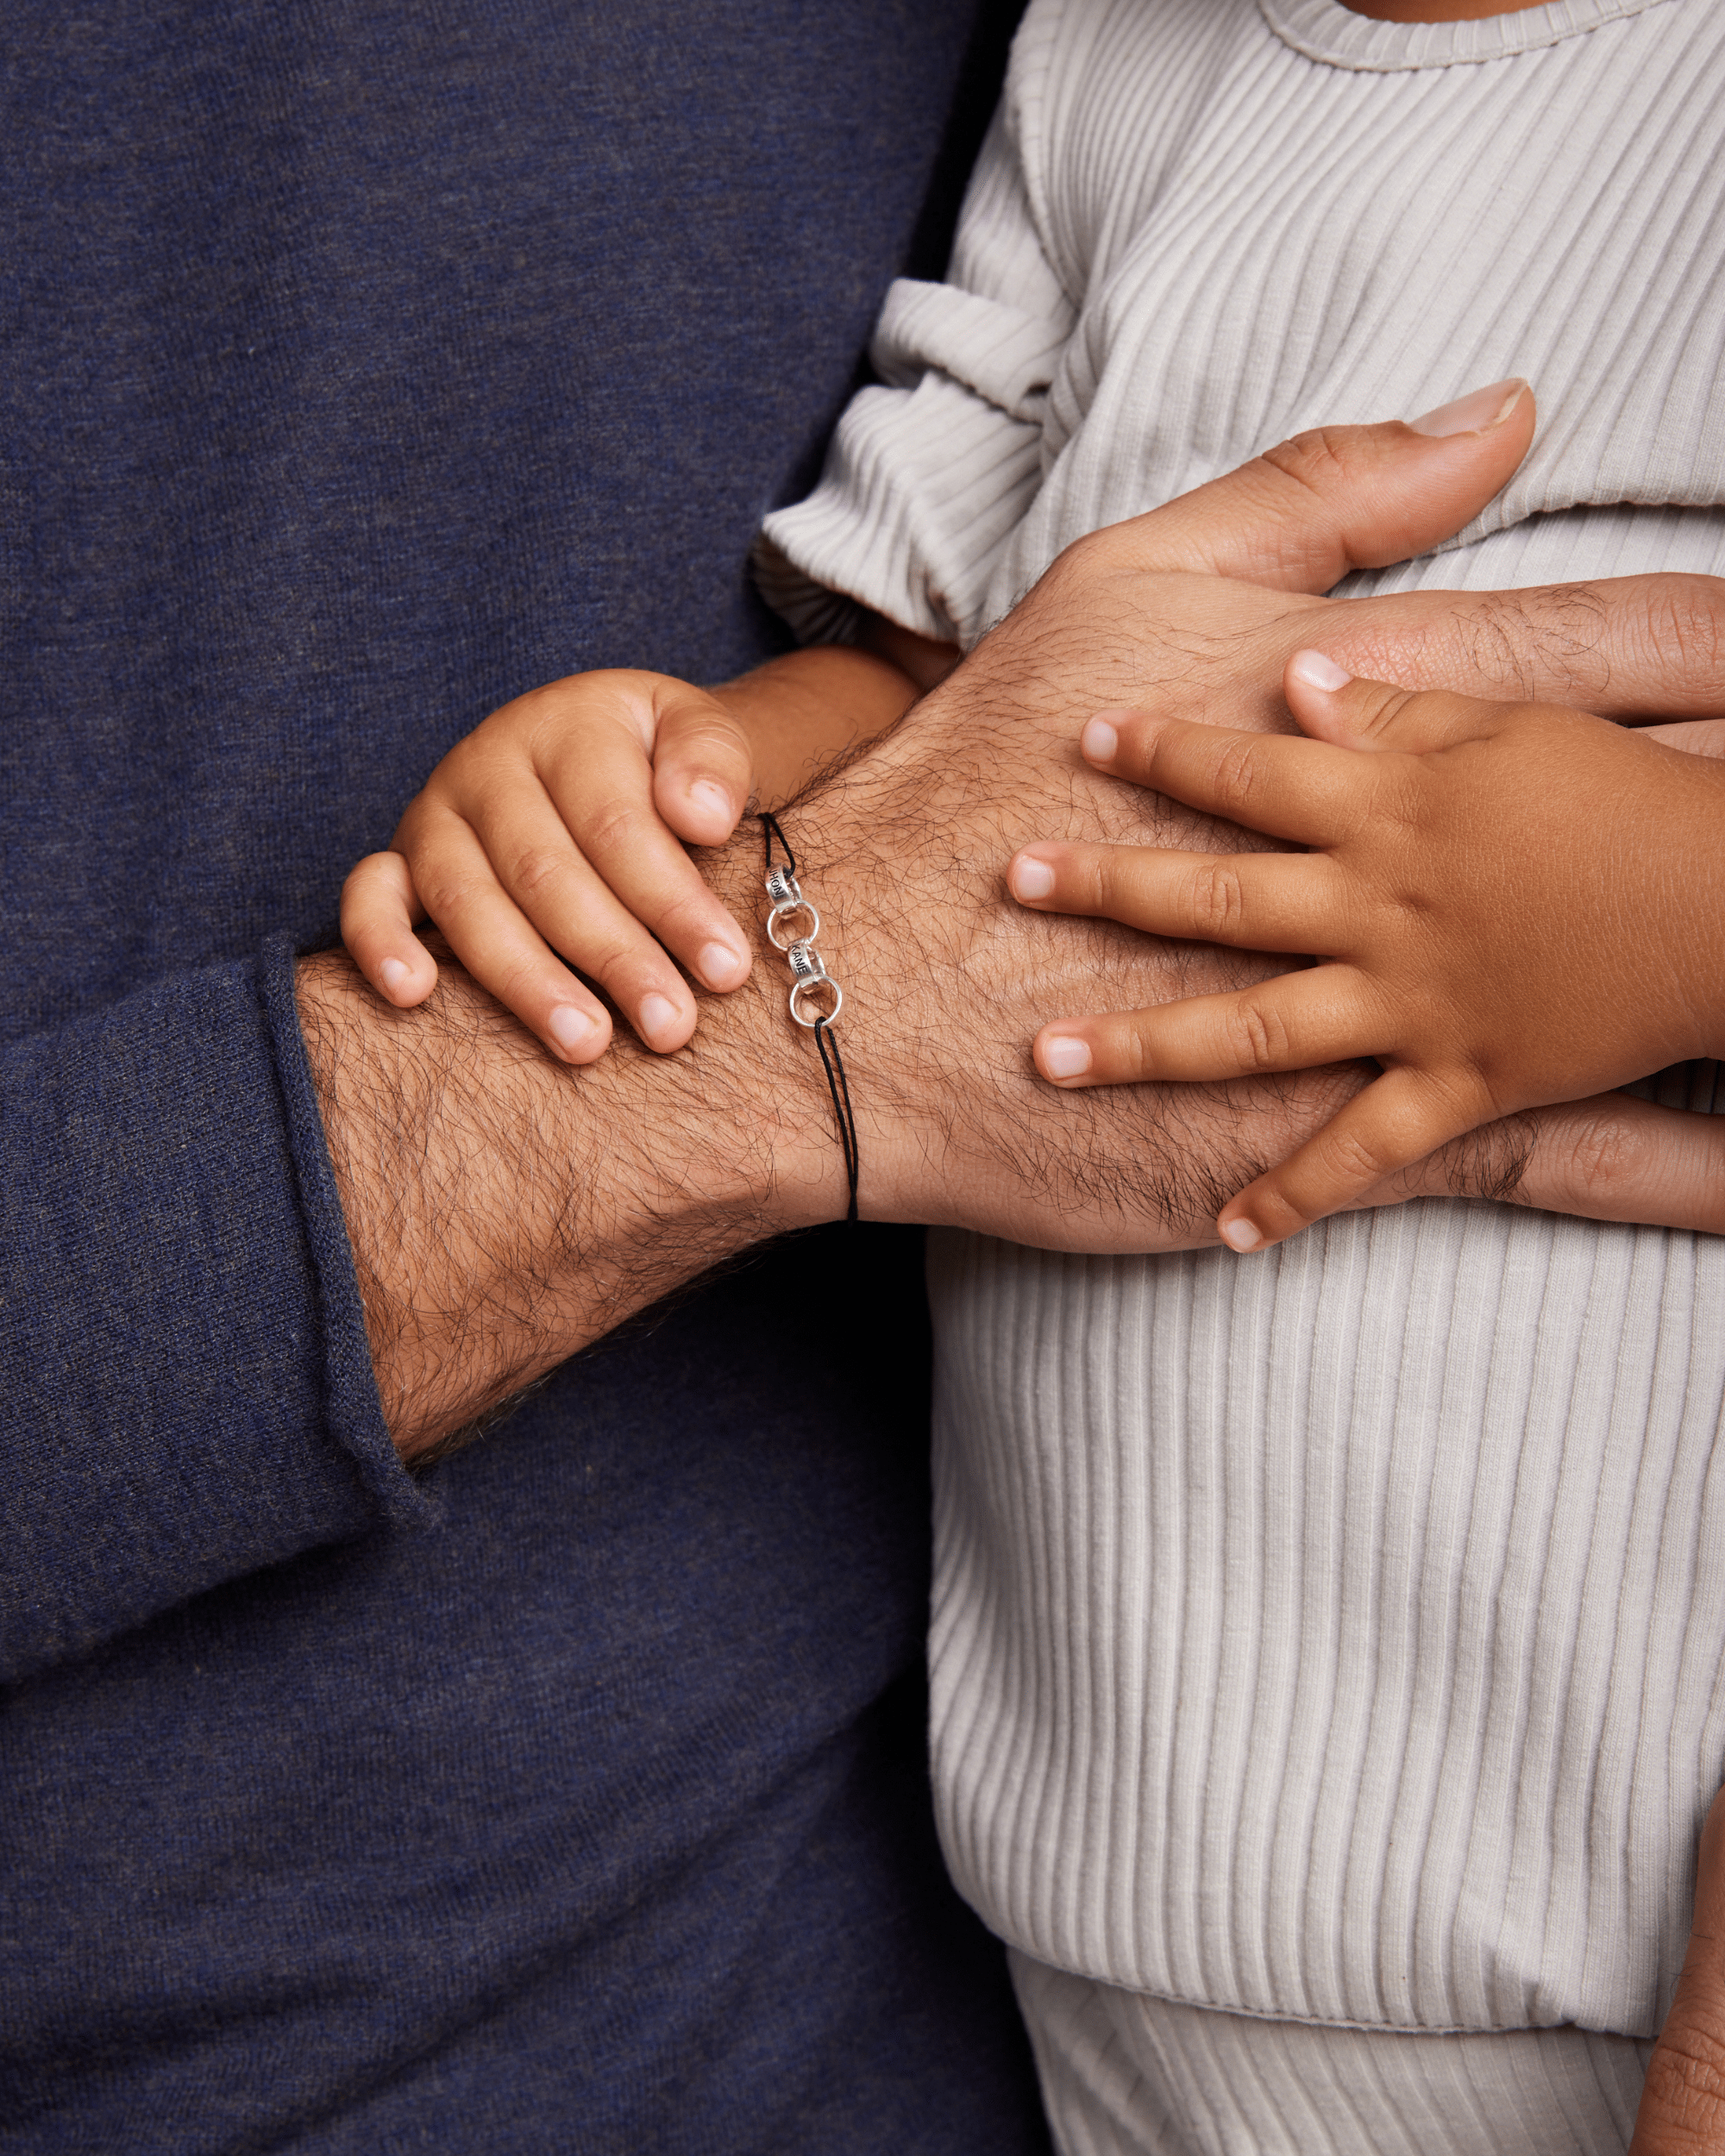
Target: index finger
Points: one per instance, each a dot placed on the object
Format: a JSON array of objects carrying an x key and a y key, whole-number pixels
[
  {"x": 1279, "y": 784},
  {"x": 596, "y": 788}
]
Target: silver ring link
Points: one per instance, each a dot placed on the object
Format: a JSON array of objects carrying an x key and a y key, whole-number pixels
[
  {"x": 806, "y": 970},
  {"x": 786, "y": 907},
  {"x": 818, "y": 980}
]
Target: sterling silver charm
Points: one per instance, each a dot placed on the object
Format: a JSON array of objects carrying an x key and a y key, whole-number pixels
[
  {"x": 807, "y": 973},
  {"x": 785, "y": 892}
]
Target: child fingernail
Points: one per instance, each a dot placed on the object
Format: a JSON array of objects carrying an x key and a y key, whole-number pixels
[
  {"x": 720, "y": 967},
  {"x": 1317, "y": 672},
  {"x": 1031, "y": 879},
  {"x": 1063, "y": 1058},
  {"x": 571, "y": 1029},
  {"x": 1240, "y": 1235},
  {"x": 394, "y": 974},
  {"x": 658, "y": 1015},
  {"x": 707, "y": 794},
  {"x": 1099, "y": 741},
  {"x": 1476, "y": 413}
]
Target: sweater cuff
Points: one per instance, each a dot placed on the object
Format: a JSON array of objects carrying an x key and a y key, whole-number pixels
[{"x": 181, "y": 1344}]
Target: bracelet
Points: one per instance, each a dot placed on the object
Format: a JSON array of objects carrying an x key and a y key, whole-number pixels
[{"x": 808, "y": 976}]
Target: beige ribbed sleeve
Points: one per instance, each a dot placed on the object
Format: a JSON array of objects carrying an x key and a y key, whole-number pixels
[
  {"x": 930, "y": 475},
  {"x": 1200, "y": 226}
]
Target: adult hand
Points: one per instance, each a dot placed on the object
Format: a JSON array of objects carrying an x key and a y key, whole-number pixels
[
  {"x": 1121, "y": 620},
  {"x": 505, "y": 1209}
]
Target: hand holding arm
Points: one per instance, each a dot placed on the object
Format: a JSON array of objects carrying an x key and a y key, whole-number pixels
[
  {"x": 504, "y": 1209},
  {"x": 1518, "y": 904},
  {"x": 554, "y": 831}
]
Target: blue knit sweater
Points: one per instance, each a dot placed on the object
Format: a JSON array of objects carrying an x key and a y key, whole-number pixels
[{"x": 364, "y": 363}]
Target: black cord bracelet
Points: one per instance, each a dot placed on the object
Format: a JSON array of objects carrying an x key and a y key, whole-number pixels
[{"x": 808, "y": 974}]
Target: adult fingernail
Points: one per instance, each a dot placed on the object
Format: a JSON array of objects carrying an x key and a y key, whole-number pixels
[
  {"x": 1031, "y": 879},
  {"x": 1476, "y": 413},
  {"x": 658, "y": 1014},
  {"x": 571, "y": 1029},
  {"x": 1063, "y": 1058},
  {"x": 1099, "y": 741},
  {"x": 394, "y": 974},
  {"x": 1317, "y": 672},
  {"x": 720, "y": 967},
  {"x": 708, "y": 794},
  {"x": 1240, "y": 1235}
]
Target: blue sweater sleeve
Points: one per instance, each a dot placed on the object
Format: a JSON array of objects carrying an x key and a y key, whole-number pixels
[{"x": 189, "y": 1391}]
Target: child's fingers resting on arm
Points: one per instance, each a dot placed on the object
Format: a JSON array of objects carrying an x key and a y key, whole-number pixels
[
  {"x": 1517, "y": 904},
  {"x": 552, "y": 833}
]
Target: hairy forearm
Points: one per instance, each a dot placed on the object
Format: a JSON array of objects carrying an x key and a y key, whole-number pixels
[{"x": 505, "y": 1209}]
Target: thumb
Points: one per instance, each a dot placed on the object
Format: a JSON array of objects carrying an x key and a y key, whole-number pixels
[
  {"x": 703, "y": 765},
  {"x": 1682, "y": 2105},
  {"x": 1303, "y": 515},
  {"x": 1331, "y": 704}
]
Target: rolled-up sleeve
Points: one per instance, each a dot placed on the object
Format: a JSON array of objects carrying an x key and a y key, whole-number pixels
[{"x": 931, "y": 471}]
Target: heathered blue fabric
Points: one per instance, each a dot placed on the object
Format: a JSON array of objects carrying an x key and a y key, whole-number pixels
[{"x": 364, "y": 363}]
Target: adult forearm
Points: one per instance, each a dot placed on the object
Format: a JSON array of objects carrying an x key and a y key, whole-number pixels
[{"x": 505, "y": 1209}]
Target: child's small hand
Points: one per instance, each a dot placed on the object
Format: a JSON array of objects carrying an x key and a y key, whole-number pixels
[
  {"x": 554, "y": 828},
  {"x": 1521, "y": 905}
]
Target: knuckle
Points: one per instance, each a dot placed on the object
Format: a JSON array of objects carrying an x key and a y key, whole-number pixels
[
  {"x": 613, "y": 961},
  {"x": 1686, "y": 2081},
  {"x": 1604, "y": 1155},
  {"x": 1130, "y": 1058},
  {"x": 535, "y": 872},
  {"x": 680, "y": 920},
  {"x": 1257, "y": 1036},
  {"x": 1218, "y": 901},
  {"x": 1236, "y": 773},
  {"x": 1315, "y": 459},
  {"x": 614, "y": 826},
  {"x": 446, "y": 892},
  {"x": 1356, "y": 1157},
  {"x": 1377, "y": 715},
  {"x": 712, "y": 733},
  {"x": 1089, "y": 550},
  {"x": 1685, "y": 631},
  {"x": 1094, "y": 559}
]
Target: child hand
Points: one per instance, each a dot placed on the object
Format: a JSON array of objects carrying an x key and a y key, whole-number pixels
[
  {"x": 1520, "y": 905},
  {"x": 554, "y": 828}
]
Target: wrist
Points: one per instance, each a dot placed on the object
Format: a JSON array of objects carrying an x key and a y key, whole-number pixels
[
  {"x": 505, "y": 1209},
  {"x": 808, "y": 711}
]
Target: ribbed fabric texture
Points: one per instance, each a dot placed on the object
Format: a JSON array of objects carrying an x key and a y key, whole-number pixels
[
  {"x": 1199, "y": 226},
  {"x": 1337, "y": 1636},
  {"x": 1123, "y": 2075},
  {"x": 1334, "y": 1636}
]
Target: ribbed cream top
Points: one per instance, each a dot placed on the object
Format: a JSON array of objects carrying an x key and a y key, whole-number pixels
[{"x": 1335, "y": 1634}]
